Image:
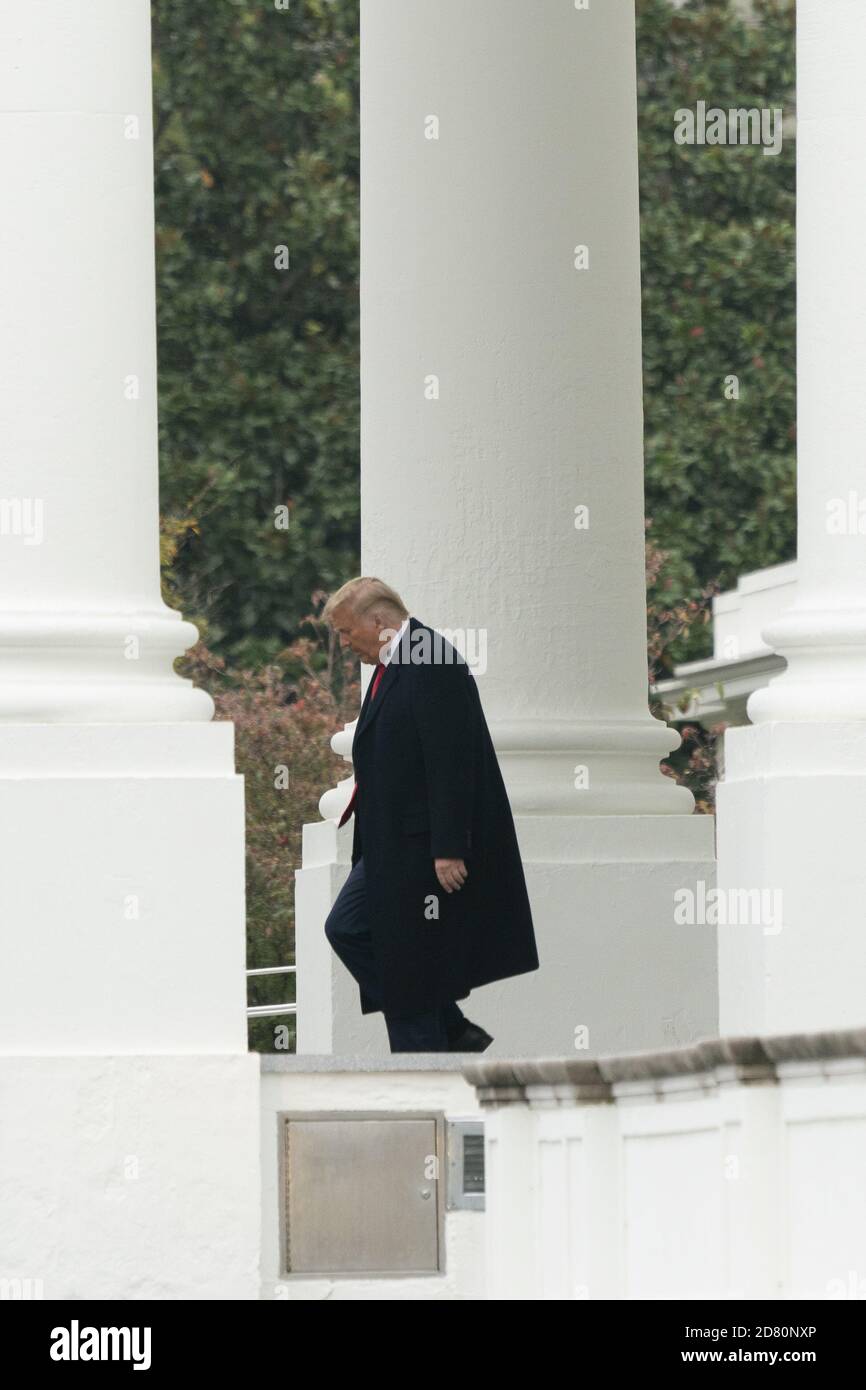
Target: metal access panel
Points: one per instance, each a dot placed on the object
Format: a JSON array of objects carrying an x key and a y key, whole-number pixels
[{"x": 362, "y": 1193}]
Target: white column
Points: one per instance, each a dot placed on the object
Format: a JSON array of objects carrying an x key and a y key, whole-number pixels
[
  {"x": 501, "y": 404},
  {"x": 823, "y": 636},
  {"x": 791, "y": 807},
  {"x": 129, "y": 1148},
  {"x": 501, "y": 386},
  {"x": 84, "y": 634}
]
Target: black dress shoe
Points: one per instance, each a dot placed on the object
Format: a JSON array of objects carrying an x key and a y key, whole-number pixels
[{"x": 471, "y": 1038}]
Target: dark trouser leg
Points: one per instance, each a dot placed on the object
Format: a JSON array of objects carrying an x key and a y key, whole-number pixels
[
  {"x": 420, "y": 1033},
  {"x": 347, "y": 929}
]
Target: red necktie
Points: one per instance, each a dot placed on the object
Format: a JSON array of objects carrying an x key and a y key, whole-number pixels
[{"x": 351, "y": 806}]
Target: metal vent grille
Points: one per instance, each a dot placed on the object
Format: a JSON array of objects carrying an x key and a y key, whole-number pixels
[
  {"x": 466, "y": 1165},
  {"x": 473, "y": 1163}
]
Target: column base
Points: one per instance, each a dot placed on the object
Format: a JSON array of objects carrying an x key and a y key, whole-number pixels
[
  {"x": 97, "y": 668},
  {"x": 122, "y": 890},
  {"x": 617, "y": 972},
  {"x": 790, "y": 817},
  {"x": 825, "y": 675},
  {"x": 580, "y": 768}
]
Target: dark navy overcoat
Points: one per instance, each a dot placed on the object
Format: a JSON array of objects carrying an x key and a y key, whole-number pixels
[{"x": 430, "y": 787}]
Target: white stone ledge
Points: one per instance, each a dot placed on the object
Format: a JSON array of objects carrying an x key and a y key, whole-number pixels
[
  {"x": 745, "y": 1060},
  {"x": 401, "y": 1061}
]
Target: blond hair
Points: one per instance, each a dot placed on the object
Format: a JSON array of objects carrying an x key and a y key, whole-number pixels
[{"x": 364, "y": 593}]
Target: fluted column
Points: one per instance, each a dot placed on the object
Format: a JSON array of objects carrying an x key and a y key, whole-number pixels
[{"x": 84, "y": 633}]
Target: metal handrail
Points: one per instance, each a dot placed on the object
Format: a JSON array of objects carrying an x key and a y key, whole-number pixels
[{"x": 271, "y": 1010}]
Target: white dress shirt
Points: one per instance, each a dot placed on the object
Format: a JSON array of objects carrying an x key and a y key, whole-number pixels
[{"x": 394, "y": 643}]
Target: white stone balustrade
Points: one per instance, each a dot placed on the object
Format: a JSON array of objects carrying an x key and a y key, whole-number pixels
[{"x": 730, "y": 1170}]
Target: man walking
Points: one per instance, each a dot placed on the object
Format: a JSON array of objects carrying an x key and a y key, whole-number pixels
[{"x": 436, "y": 902}]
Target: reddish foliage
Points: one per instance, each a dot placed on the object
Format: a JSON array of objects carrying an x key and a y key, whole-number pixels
[{"x": 284, "y": 716}]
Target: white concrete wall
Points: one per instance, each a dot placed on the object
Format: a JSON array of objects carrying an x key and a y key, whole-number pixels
[
  {"x": 130, "y": 1177},
  {"x": 322, "y": 1086},
  {"x": 722, "y": 1183}
]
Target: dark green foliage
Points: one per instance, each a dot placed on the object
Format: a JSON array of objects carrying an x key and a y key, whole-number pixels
[
  {"x": 717, "y": 233},
  {"x": 256, "y": 115}
]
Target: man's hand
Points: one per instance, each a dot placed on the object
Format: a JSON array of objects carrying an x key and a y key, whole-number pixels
[{"x": 451, "y": 873}]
